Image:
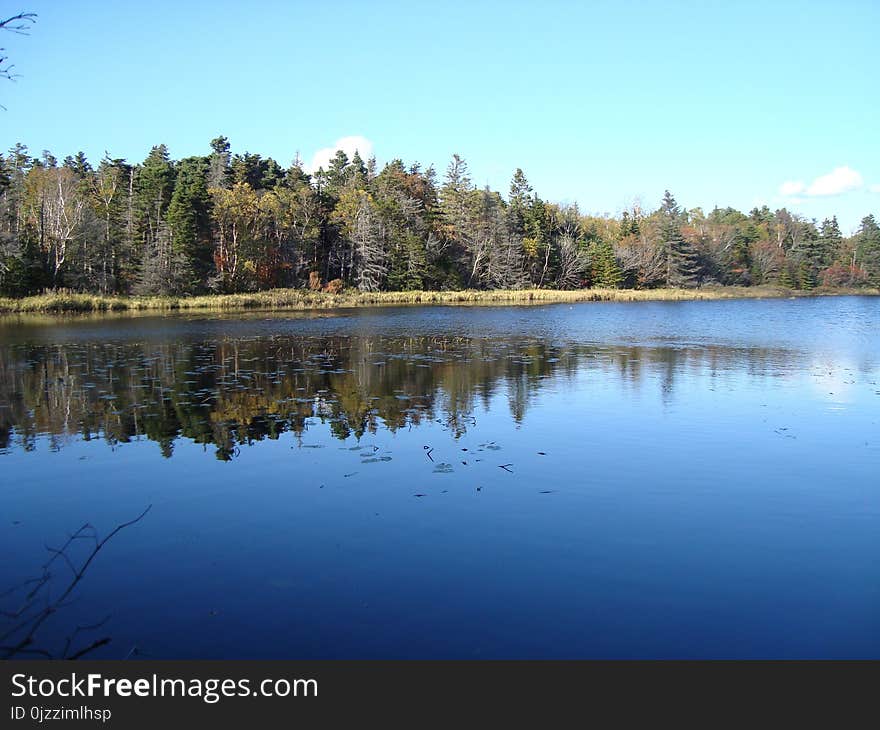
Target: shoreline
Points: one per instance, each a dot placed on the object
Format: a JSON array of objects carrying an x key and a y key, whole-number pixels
[{"x": 303, "y": 299}]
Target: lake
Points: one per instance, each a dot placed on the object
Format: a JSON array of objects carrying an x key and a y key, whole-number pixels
[{"x": 598, "y": 480}]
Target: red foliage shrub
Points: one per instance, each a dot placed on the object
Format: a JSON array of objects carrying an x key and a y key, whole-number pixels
[{"x": 842, "y": 275}]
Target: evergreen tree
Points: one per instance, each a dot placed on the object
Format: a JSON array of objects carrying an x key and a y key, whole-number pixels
[
  {"x": 154, "y": 184},
  {"x": 399, "y": 197},
  {"x": 109, "y": 199},
  {"x": 337, "y": 174},
  {"x": 458, "y": 214},
  {"x": 251, "y": 169},
  {"x": 605, "y": 270},
  {"x": 868, "y": 248},
  {"x": 78, "y": 163},
  {"x": 626, "y": 225},
  {"x": 787, "y": 277},
  {"x": 189, "y": 224},
  {"x": 242, "y": 223},
  {"x": 273, "y": 174},
  {"x": 538, "y": 243},
  {"x": 518, "y": 203},
  {"x": 682, "y": 261},
  {"x": 810, "y": 255},
  {"x": 356, "y": 173},
  {"x": 830, "y": 239},
  {"x": 219, "y": 171},
  {"x": 806, "y": 275}
]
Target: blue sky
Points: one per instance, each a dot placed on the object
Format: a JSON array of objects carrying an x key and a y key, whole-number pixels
[{"x": 728, "y": 103}]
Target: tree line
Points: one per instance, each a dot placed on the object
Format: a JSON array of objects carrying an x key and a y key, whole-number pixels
[{"x": 228, "y": 223}]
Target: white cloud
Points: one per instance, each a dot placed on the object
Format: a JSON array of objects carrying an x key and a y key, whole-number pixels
[
  {"x": 840, "y": 180},
  {"x": 349, "y": 145},
  {"x": 874, "y": 188},
  {"x": 791, "y": 187}
]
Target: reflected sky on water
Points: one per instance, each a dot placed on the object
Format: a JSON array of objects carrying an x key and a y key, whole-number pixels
[{"x": 693, "y": 479}]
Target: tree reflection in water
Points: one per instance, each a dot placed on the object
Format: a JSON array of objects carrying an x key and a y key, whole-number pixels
[{"x": 232, "y": 392}]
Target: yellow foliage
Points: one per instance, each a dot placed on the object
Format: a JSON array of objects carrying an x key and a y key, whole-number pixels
[{"x": 61, "y": 301}]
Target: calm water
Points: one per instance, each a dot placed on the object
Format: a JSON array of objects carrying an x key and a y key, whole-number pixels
[{"x": 599, "y": 480}]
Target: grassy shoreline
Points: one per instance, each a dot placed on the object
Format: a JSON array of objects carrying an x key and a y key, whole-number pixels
[{"x": 301, "y": 299}]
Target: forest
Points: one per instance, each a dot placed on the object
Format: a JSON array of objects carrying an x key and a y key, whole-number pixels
[{"x": 227, "y": 223}]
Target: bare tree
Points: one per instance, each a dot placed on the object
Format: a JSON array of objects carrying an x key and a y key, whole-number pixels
[
  {"x": 366, "y": 241},
  {"x": 642, "y": 260},
  {"x": 63, "y": 213},
  {"x": 767, "y": 261},
  {"x": 572, "y": 263},
  {"x": 508, "y": 270}
]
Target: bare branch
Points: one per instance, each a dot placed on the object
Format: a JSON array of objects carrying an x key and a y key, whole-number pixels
[
  {"x": 28, "y": 627},
  {"x": 20, "y": 24},
  {"x": 91, "y": 647}
]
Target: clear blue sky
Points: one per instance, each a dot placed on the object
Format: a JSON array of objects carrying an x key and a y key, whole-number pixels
[{"x": 598, "y": 102}]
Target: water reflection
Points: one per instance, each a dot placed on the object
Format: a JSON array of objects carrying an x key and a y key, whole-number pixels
[
  {"x": 688, "y": 480},
  {"x": 236, "y": 391}
]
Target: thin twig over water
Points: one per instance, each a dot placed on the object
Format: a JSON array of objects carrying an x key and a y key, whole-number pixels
[{"x": 30, "y": 616}]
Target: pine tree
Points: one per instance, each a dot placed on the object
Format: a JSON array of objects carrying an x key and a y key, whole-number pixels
[
  {"x": 356, "y": 173},
  {"x": 252, "y": 169},
  {"x": 806, "y": 275},
  {"x": 109, "y": 198},
  {"x": 458, "y": 206},
  {"x": 811, "y": 255},
  {"x": 518, "y": 202},
  {"x": 219, "y": 172},
  {"x": 154, "y": 186},
  {"x": 682, "y": 261},
  {"x": 868, "y": 248},
  {"x": 830, "y": 239},
  {"x": 189, "y": 223},
  {"x": 626, "y": 224},
  {"x": 786, "y": 278},
  {"x": 78, "y": 163},
  {"x": 606, "y": 272},
  {"x": 538, "y": 242},
  {"x": 337, "y": 173}
]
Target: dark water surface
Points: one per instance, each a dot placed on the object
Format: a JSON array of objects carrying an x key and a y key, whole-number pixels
[{"x": 697, "y": 479}]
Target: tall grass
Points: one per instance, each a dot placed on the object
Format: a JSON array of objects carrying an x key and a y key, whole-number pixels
[{"x": 65, "y": 301}]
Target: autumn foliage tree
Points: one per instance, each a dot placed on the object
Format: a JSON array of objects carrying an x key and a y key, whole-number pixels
[{"x": 236, "y": 222}]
